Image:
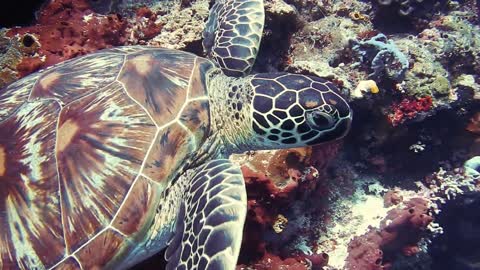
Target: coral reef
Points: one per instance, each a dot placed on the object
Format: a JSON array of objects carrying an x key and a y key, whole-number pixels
[
  {"x": 273, "y": 197},
  {"x": 182, "y": 27},
  {"x": 65, "y": 29},
  {"x": 382, "y": 197}
]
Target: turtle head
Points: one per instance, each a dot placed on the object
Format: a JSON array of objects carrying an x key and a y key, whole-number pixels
[
  {"x": 277, "y": 110},
  {"x": 290, "y": 110}
]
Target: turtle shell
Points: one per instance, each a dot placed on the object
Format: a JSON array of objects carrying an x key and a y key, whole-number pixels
[{"x": 87, "y": 147}]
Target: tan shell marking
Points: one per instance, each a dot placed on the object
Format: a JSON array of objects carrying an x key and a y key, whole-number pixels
[
  {"x": 3, "y": 160},
  {"x": 195, "y": 117},
  {"x": 15, "y": 94},
  {"x": 143, "y": 64},
  {"x": 66, "y": 132},
  {"x": 69, "y": 264},
  {"x": 49, "y": 80},
  {"x": 101, "y": 250},
  {"x": 101, "y": 161},
  {"x": 172, "y": 142},
  {"x": 165, "y": 103},
  {"x": 78, "y": 78},
  {"x": 29, "y": 188},
  {"x": 134, "y": 213},
  {"x": 197, "y": 85}
]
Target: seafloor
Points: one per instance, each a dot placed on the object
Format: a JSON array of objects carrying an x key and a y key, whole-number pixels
[{"x": 393, "y": 194}]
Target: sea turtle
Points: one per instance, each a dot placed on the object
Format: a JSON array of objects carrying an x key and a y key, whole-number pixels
[{"x": 108, "y": 158}]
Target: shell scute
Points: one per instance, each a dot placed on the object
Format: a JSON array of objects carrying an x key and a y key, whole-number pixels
[
  {"x": 68, "y": 264},
  {"x": 172, "y": 144},
  {"x": 100, "y": 160},
  {"x": 195, "y": 117},
  {"x": 93, "y": 135},
  {"x": 15, "y": 94},
  {"x": 100, "y": 252},
  {"x": 158, "y": 80},
  {"x": 31, "y": 232},
  {"x": 133, "y": 215},
  {"x": 198, "y": 85},
  {"x": 78, "y": 77}
]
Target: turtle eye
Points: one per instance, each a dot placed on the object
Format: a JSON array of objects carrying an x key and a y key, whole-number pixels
[{"x": 320, "y": 120}]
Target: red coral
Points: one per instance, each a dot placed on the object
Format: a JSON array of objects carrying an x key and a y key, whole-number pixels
[
  {"x": 474, "y": 125},
  {"x": 273, "y": 262},
  {"x": 408, "y": 109},
  {"x": 69, "y": 28},
  {"x": 322, "y": 155},
  {"x": 392, "y": 197},
  {"x": 400, "y": 231},
  {"x": 276, "y": 180},
  {"x": 298, "y": 262},
  {"x": 145, "y": 27}
]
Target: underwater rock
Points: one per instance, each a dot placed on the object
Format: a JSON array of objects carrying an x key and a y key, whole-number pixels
[
  {"x": 318, "y": 49},
  {"x": 401, "y": 223},
  {"x": 182, "y": 27},
  {"x": 410, "y": 7},
  {"x": 144, "y": 26},
  {"x": 459, "y": 245}
]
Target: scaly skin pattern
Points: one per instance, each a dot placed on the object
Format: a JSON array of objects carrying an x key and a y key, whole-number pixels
[
  {"x": 276, "y": 110},
  {"x": 94, "y": 165},
  {"x": 232, "y": 34},
  {"x": 88, "y": 150}
]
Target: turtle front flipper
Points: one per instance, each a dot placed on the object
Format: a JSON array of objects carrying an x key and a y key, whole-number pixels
[
  {"x": 209, "y": 225},
  {"x": 232, "y": 34}
]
